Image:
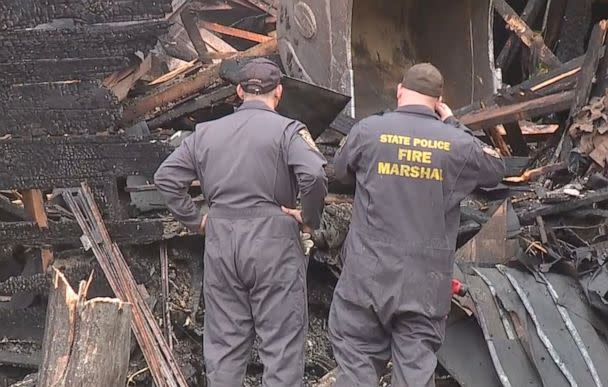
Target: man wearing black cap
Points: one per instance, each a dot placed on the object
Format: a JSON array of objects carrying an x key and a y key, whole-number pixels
[
  {"x": 412, "y": 167},
  {"x": 250, "y": 164}
]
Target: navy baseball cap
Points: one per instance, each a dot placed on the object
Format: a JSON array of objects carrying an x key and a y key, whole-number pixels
[{"x": 259, "y": 76}]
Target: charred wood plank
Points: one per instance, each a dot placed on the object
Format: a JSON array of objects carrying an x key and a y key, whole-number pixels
[
  {"x": 57, "y": 95},
  {"x": 583, "y": 87},
  {"x": 57, "y": 108},
  {"x": 513, "y": 45},
  {"x": 204, "y": 101},
  {"x": 189, "y": 86},
  {"x": 30, "y": 13},
  {"x": 589, "y": 67},
  {"x": 127, "y": 232},
  {"x": 90, "y": 42},
  {"x": 28, "y": 122},
  {"x": 64, "y": 162},
  {"x": 49, "y": 70},
  {"x": 493, "y": 116},
  {"x": 555, "y": 80},
  {"x": 525, "y": 33},
  {"x": 528, "y": 215},
  {"x": 235, "y": 32},
  {"x": 191, "y": 26}
]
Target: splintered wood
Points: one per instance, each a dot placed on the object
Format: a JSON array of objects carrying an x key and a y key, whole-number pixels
[
  {"x": 158, "y": 355},
  {"x": 86, "y": 343}
]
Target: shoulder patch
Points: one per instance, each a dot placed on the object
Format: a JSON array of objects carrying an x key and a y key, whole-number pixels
[
  {"x": 491, "y": 151},
  {"x": 305, "y": 134}
]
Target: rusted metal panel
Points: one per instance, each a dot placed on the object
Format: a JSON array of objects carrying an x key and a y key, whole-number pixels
[{"x": 362, "y": 47}]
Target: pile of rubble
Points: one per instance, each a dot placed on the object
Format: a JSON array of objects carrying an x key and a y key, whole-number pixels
[{"x": 103, "y": 91}]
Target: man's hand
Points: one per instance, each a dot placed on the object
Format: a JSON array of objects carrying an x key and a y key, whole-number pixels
[
  {"x": 201, "y": 229},
  {"x": 443, "y": 110},
  {"x": 297, "y": 215}
]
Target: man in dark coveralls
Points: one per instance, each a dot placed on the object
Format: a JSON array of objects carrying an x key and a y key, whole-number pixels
[
  {"x": 250, "y": 164},
  {"x": 412, "y": 167}
]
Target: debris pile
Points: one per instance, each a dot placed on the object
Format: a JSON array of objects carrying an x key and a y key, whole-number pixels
[{"x": 103, "y": 91}]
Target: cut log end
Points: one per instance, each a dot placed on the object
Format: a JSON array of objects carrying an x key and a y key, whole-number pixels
[{"x": 94, "y": 332}]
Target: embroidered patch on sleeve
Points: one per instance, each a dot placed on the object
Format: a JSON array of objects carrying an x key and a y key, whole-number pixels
[
  {"x": 305, "y": 134},
  {"x": 491, "y": 151}
]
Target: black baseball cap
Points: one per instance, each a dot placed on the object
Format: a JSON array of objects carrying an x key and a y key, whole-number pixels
[
  {"x": 259, "y": 76},
  {"x": 424, "y": 78}
]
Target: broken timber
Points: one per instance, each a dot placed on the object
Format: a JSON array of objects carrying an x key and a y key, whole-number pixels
[
  {"x": 528, "y": 216},
  {"x": 189, "y": 86},
  {"x": 513, "y": 44},
  {"x": 157, "y": 353},
  {"x": 22, "y": 14},
  {"x": 124, "y": 232},
  {"x": 525, "y": 33},
  {"x": 235, "y": 32},
  {"x": 37, "y": 48},
  {"x": 64, "y": 161},
  {"x": 493, "y": 116},
  {"x": 86, "y": 343}
]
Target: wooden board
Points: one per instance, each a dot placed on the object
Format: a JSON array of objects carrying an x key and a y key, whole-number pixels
[
  {"x": 65, "y": 162},
  {"x": 130, "y": 232},
  {"x": 519, "y": 111},
  {"x": 29, "y": 13}
]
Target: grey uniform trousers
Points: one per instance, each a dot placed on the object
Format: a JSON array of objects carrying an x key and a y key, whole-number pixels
[
  {"x": 378, "y": 312},
  {"x": 363, "y": 345},
  {"x": 254, "y": 282}
]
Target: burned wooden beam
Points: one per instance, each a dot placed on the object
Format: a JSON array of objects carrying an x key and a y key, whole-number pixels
[
  {"x": 191, "y": 26},
  {"x": 493, "y": 116},
  {"x": 206, "y": 100},
  {"x": 30, "y": 13},
  {"x": 50, "y": 69},
  {"x": 189, "y": 86},
  {"x": 81, "y": 42},
  {"x": 525, "y": 33},
  {"x": 56, "y": 109},
  {"x": 513, "y": 44},
  {"x": 528, "y": 215},
  {"x": 126, "y": 232},
  {"x": 235, "y": 32},
  {"x": 158, "y": 355},
  {"x": 583, "y": 86},
  {"x": 64, "y": 161},
  {"x": 589, "y": 67}
]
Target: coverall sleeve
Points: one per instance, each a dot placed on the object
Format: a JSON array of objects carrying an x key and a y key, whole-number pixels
[
  {"x": 486, "y": 160},
  {"x": 491, "y": 166},
  {"x": 173, "y": 179},
  {"x": 346, "y": 160},
  {"x": 308, "y": 165}
]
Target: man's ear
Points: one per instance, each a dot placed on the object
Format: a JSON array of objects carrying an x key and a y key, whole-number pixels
[
  {"x": 278, "y": 92},
  {"x": 240, "y": 92},
  {"x": 399, "y": 90}
]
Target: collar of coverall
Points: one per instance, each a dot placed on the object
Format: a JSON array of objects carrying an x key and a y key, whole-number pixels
[
  {"x": 253, "y": 104},
  {"x": 418, "y": 109}
]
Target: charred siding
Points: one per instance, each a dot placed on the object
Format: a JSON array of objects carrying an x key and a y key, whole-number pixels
[
  {"x": 65, "y": 162},
  {"x": 29, "y": 13}
]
